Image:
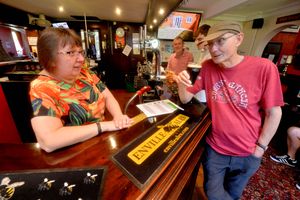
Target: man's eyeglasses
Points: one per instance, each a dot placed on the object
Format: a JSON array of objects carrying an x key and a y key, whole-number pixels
[
  {"x": 219, "y": 41},
  {"x": 73, "y": 53}
]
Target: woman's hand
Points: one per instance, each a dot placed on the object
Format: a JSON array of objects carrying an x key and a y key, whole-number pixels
[
  {"x": 122, "y": 121},
  {"x": 184, "y": 78}
]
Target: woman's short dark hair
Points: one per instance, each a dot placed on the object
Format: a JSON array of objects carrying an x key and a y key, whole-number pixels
[{"x": 49, "y": 42}]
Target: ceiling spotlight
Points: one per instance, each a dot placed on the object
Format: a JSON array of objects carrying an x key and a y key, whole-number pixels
[
  {"x": 61, "y": 9},
  {"x": 118, "y": 11},
  {"x": 161, "y": 11},
  {"x": 155, "y": 21},
  {"x": 151, "y": 27}
]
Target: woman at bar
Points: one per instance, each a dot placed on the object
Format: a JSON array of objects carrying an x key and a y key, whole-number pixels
[{"x": 68, "y": 99}]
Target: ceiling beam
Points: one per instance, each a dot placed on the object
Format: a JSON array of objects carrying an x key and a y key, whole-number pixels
[{"x": 153, "y": 8}]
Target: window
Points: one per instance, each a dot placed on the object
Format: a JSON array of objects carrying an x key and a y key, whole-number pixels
[
  {"x": 19, "y": 49},
  {"x": 93, "y": 46},
  {"x": 13, "y": 43}
]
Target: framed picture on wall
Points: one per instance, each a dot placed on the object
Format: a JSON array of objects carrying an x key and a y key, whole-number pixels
[{"x": 272, "y": 51}]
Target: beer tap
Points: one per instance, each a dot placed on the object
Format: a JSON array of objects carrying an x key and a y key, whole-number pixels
[
  {"x": 139, "y": 93},
  {"x": 157, "y": 71}
]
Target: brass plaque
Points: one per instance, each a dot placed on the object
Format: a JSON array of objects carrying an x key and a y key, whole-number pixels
[
  {"x": 141, "y": 159},
  {"x": 158, "y": 138}
]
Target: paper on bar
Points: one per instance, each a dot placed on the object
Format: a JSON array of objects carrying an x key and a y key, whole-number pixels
[{"x": 156, "y": 108}]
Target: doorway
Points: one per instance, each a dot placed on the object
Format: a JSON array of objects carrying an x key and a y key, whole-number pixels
[{"x": 91, "y": 43}]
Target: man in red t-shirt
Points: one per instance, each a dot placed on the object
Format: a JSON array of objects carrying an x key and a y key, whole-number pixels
[{"x": 237, "y": 88}]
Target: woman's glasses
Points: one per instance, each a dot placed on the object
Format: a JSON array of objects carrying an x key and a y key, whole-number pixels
[{"x": 73, "y": 53}]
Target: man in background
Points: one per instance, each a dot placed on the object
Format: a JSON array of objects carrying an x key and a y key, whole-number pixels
[
  {"x": 179, "y": 60},
  {"x": 293, "y": 143},
  {"x": 200, "y": 34}
]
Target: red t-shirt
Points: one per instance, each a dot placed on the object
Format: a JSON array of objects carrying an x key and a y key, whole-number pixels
[
  {"x": 179, "y": 63},
  {"x": 235, "y": 96}
]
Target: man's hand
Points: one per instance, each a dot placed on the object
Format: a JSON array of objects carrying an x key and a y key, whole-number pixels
[
  {"x": 258, "y": 152},
  {"x": 184, "y": 78}
]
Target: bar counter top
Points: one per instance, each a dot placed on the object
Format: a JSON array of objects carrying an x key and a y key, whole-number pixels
[{"x": 169, "y": 183}]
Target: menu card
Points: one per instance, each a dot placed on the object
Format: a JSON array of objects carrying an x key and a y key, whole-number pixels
[{"x": 160, "y": 107}]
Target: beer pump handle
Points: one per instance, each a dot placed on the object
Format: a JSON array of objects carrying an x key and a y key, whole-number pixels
[
  {"x": 139, "y": 93},
  {"x": 143, "y": 90}
]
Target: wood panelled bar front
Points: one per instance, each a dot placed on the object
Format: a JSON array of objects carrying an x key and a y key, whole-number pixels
[{"x": 172, "y": 181}]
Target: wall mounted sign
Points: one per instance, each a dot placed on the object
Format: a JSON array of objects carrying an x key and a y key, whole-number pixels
[
  {"x": 288, "y": 18},
  {"x": 127, "y": 49},
  {"x": 32, "y": 40},
  {"x": 120, "y": 42}
]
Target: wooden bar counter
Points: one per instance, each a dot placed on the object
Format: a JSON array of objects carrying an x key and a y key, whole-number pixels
[{"x": 172, "y": 181}]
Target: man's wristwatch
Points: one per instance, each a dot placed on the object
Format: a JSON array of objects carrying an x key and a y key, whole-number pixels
[{"x": 262, "y": 146}]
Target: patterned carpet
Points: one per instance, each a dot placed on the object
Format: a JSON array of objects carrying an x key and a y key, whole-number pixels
[{"x": 273, "y": 181}]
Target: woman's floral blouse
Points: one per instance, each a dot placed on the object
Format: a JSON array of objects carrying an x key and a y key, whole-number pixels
[{"x": 75, "y": 104}]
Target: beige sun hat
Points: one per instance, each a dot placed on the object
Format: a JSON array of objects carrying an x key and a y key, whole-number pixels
[{"x": 221, "y": 28}]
